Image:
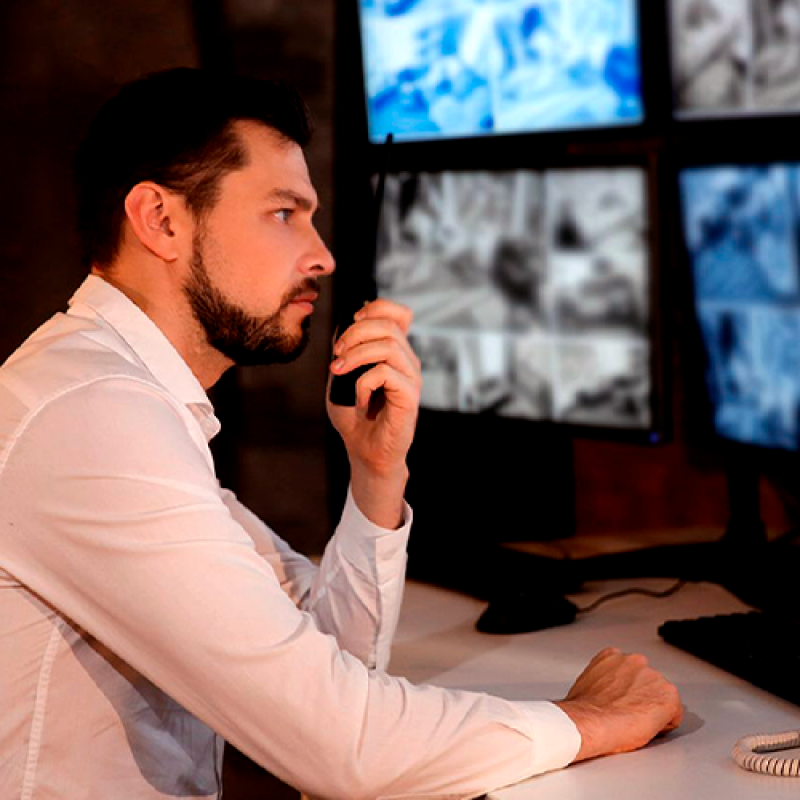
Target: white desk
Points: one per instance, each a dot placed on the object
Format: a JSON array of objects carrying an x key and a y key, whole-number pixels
[{"x": 437, "y": 643}]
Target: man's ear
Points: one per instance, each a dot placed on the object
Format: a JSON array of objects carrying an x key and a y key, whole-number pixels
[{"x": 157, "y": 218}]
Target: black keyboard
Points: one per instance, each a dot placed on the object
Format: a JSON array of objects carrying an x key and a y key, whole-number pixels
[{"x": 762, "y": 648}]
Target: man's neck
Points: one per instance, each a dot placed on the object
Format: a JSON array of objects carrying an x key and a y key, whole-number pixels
[{"x": 173, "y": 317}]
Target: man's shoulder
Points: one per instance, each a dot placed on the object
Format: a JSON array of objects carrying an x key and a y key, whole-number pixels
[{"x": 64, "y": 355}]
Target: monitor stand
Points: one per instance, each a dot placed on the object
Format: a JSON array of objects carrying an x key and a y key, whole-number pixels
[{"x": 759, "y": 572}]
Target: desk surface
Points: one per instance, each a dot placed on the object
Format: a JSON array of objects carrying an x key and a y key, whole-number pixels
[{"x": 437, "y": 643}]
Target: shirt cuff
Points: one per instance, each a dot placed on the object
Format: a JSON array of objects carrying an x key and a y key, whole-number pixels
[
  {"x": 555, "y": 737},
  {"x": 360, "y": 541}
]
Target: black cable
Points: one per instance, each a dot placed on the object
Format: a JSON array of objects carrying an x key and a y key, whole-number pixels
[{"x": 677, "y": 586}]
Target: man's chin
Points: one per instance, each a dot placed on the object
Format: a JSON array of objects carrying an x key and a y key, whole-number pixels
[{"x": 265, "y": 354}]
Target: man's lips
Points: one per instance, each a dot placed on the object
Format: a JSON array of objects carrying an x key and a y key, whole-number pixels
[
  {"x": 305, "y": 300},
  {"x": 304, "y": 296}
]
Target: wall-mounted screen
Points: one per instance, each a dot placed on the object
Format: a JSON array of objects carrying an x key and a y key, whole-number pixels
[
  {"x": 530, "y": 291},
  {"x": 742, "y": 229},
  {"x": 735, "y": 57},
  {"x": 457, "y": 68}
]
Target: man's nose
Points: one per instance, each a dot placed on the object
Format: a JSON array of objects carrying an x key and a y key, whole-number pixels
[{"x": 320, "y": 260}]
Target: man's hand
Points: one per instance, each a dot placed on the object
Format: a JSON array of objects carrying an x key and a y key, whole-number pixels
[
  {"x": 619, "y": 703},
  {"x": 378, "y": 431}
]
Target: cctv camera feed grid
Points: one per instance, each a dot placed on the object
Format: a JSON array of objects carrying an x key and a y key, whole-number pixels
[
  {"x": 735, "y": 57},
  {"x": 446, "y": 68},
  {"x": 530, "y": 291},
  {"x": 742, "y": 230}
]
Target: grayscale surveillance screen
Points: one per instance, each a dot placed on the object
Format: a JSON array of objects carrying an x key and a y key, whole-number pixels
[
  {"x": 735, "y": 57},
  {"x": 742, "y": 230},
  {"x": 530, "y": 291},
  {"x": 442, "y": 68}
]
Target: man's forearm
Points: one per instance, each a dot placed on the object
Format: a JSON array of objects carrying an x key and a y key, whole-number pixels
[{"x": 380, "y": 496}]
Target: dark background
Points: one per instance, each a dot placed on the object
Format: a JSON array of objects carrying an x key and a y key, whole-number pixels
[{"x": 59, "y": 59}]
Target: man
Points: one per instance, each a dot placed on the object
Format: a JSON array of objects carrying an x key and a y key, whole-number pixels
[{"x": 145, "y": 614}]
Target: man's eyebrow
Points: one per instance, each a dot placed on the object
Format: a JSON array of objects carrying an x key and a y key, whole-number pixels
[{"x": 301, "y": 201}]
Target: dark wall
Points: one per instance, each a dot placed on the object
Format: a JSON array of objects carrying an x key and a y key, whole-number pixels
[{"x": 57, "y": 61}]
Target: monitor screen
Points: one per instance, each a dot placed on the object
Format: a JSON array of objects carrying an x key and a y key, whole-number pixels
[
  {"x": 437, "y": 69},
  {"x": 742, "y": 230},
  {"x": 735, "y": 57},
  {"x": 530, "y": 291}
]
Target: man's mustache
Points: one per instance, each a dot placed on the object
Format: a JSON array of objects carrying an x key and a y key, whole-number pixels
[{"x": 308, "y": 285}]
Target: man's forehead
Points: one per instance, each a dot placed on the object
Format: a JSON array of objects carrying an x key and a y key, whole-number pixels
[{"x": 277, "y": 161}]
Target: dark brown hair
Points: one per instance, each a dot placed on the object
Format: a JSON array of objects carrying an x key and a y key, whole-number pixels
[{"x": 174, "y": 128}]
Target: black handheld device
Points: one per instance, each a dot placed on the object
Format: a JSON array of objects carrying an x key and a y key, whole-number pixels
[{"x": 343, "y": 387}]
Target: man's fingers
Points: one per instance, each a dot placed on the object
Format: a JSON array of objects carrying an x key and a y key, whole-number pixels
[
  {"x": 620, "y": 703},
  {"x": 385, "y": 311},
  {"x": 379, "y": 351},
  {"x": 365, "y": 330},
  {"x": 676, "y": 720},
  {"x": 382, "y": 308},
  {"x": 607, "y": 653},
  {"x": 378, "y": 337},
  {"x": 396, "y": 386}
]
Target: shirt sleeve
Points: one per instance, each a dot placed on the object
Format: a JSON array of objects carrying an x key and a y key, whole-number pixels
[
  {"x": 113, "y": 516},
  {"x": 356, "y": 593}
]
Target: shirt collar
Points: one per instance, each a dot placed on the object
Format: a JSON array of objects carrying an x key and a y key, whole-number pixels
[{"x": 149, "y": 344}]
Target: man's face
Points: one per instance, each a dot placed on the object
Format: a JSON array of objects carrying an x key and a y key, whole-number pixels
[{"x": 257, "y": 256}]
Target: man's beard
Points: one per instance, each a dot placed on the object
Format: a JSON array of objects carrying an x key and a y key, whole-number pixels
[{"x": 245, "y": 339}]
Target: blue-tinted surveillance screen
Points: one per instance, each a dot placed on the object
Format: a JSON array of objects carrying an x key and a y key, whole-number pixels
[
  {"x": 530, "y": 291},
  {"x": 741, "y": 228},
  {"x": 458, "y": 68}
]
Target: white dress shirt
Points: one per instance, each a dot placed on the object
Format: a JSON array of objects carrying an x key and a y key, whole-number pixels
[{"x": 146, "y": 615}]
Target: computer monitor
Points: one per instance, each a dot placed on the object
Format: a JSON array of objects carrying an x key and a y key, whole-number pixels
[
  {"x": 438, "y": 69},
  {"x": 530, "y": 264},
  {"x": 735, "y": 57},
  {"x": 742, "y": 232},
  {"x": 531, "y": 291}
]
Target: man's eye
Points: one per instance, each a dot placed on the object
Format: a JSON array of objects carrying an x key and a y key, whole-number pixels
[{"x": 284, "y": 214}]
